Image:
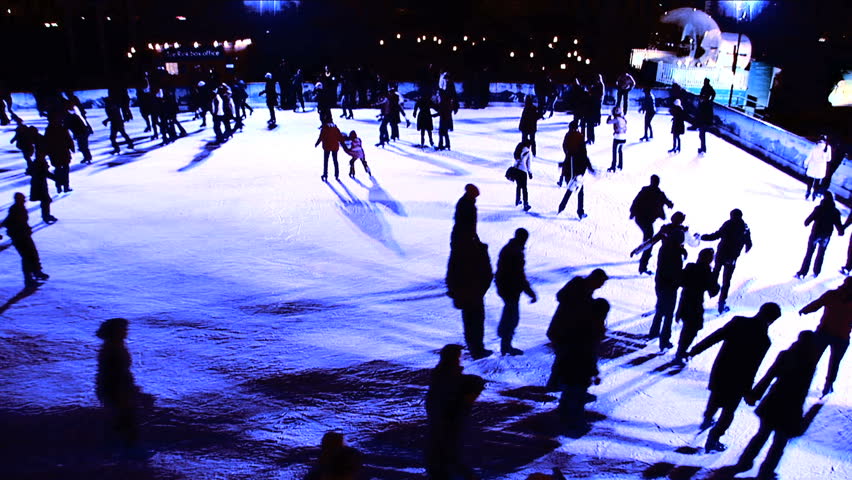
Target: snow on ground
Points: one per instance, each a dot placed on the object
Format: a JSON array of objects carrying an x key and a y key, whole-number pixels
[{"x": 267, "y": 307}]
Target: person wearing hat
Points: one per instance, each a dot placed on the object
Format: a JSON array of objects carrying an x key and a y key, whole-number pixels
[
  {"x": 646, "y": 208},
  {"x": 619, "y": 137},
  {"x": 271, "y": 98},
  {"x": 114, "y": 384},
  {"x": 745, "y": 341},
  {"x": 816, "y": 166},
  {"x": 733, "y": 235}
]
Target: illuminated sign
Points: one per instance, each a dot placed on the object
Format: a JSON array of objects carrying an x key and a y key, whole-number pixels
[{"x": 186, "y": 54}]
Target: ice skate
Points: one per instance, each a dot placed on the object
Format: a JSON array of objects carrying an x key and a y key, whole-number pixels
[
  {"x": 527, "y": 207},
  {"x": 41, "y": 275},
  {"x": 844, "y": 271},
  {"x": 581, "y": 215},
  {"x": 714, "y": 446}
]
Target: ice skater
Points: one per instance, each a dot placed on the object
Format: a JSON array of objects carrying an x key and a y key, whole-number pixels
[
  {"x": 296, "y": 91},
  {"x": 25, "y": 139},
  {"x": 529, "y": 122},
  {"x": 39, "y": 172},
  {"x": 449, "y": 401},
  {"x": 781, "y": 410},
  {"x": 397, "y": 113},
  {"x": 816, "y": 166},
  {"x": 624, "y": 84},
  {"x": 19, "y": 231},
  {"x": 576, "y": 330},
  {"x": 511, "y": 281},
  {"x": 222, "y": 108},
  {"x": 669, "y": 273},
  {"x": 447, "y": 106},
  {"x": 834, "y": 327},
  {"x": 703, "y": 121},
  {"x": 522, "y": 171},
  {"x": 75, "y": 121},
  {"x": 825, "y": 218},
  {"x": 271, "y": 98},
  {"x": 355, "y": 150},
  {"x": 115, "y": 386},
  {"x": 116, "y": 125},
  {"x": 423, "y": 113},
  {"x": 733, "y": 235},
  {"x": 696, "y": 280},
  {"x": 331, "y": 138},
  {"x": 745, "y": 341},
  {"x": 678, "y": 126},
  {"x": 648, "y": 105},
  {"x": 646, "y": 208},
  {"x": 619, "y": 137},
  {"x": 59, "y": 146},
  {"x": 573, "y": 169}
]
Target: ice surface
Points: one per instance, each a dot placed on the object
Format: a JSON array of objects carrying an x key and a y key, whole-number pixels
[{"x": 267, "y": 307}]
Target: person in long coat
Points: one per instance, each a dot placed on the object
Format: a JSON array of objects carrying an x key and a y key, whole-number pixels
[
  {"x": 447, "y": 106},
  {"x": 511, "y": 282},
  {"x": 449, "y": 401},
  {"x": 678, "y": 126},
  {"x": 39, "y": 172},
  {"x": 781, "y": 410},
  {"x": 19, "y": 231},
  {"x": 646, "y": 208},
  {"x": 423, "y": 114},
  {"x": 529, "y": 122},
  {"x": 745, "y": 341},
  {"x": 58, "y": 146},
  {"x": 115, "y": 386},
  {"x": 825, "y": 219},
  {"x": 816, "y": 166},
  {"x": 696, "y": 280}
]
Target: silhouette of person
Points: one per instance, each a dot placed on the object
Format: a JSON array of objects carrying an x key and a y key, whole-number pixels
[
  {"x": 646, "y": 208},
  {"x": 678, "y": 126},
  {"x": 648, "y": 104},
  {"x": 114, "y": 383},
  {"x": 423, "y": 113},
  {"x": 271, "y": 98},
  {"x": 116, "y": 124},
  {"x": 573, "y": 168},
  {"x": 619, "y": 138},
  {"x": 447, "y": 106},
  {"x": 330, "y": 137},
  {"x": 576, "y": 330},
  {"x": 781, "y": 410},
  {"x": 529, "y": 122},
  {"x": 25, "y": 139},
  {"x": 511, "y": 281},
  {"x": 337, "y": 461},
  {"x": 522, "y": 171},
  {"x": 825, "y": 218},
  {"x": 448, "y": 405},
  {"x": 697, "y": 278},
  {"x": 469, "y": 272},
  {"x": 58, "y": 146},
  {"x": 834, "y": 327},
  {"x": 745, "y": 341},
  {"x": 19, "y": 231},
  {"x": 39, "y": 172},
  {"x": 669, "y": 269},
  {"x": 734, "y": 234},
  {"x": 75, "y": 121}
]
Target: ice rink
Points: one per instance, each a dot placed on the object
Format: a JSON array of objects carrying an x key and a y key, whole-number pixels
[{"x": 267, "y": 307}]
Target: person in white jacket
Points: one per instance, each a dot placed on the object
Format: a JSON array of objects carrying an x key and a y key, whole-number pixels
[
  {"x": 522, "y": 163},
  {"x": 817, "y": 165}
]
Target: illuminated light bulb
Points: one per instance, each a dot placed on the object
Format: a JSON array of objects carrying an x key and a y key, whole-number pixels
[
  {"x": 226, "y": 44},
  {"x": 588, "y": 61},
  {"x": 579, "y": 58},
  {"x": 46, "y": 25},
  {"x": 440, "y": 41},
  {"x": 418, "y": 40},
  {"x": 158, "y": 46},
  {"x": 177, "y": 45},
  {"x": 563, "y": 66},
  {"x": 465, "y": 38},
  {"x": 181, "y": 18},
  {"x": 132, "y": 49},
  {"x": 215, "y": 44},
  {"x": 512, "y": 54},
  {"x": 129, "y": 55},
  {"x": 434, "y": 39},
  {"x": 575, "y": 52},
  {"x": 195, "y": 45},
  {"x": 455, "y": 48},
  {"x": 150, "y": 47},
  {"x": 542, "y": 69},
  {"x": 532, "y": 54},
  {"x": 555, "y": 39},
  {"x": 569, "y": 54},
  {"x": 166, "y": 45},
  {"x": 109, "y": 19},
  {"x": 247, "y": 41},
  {"x": 483, "y": 39},
  {"x": 473, "y": 44},
  {"x": 550, "y": 45},
  {"x": 398, "y": 36},
  {"x": 381, "y": 42},
  {"x": 576, "y": 41}
]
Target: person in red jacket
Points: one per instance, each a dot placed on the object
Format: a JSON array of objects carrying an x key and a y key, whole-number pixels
[
  {"x": 834, "y": 327},
  {"x": 330, "y": 137}
]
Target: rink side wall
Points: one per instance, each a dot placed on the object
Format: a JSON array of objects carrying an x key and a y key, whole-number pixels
[{"x": 774, "y": 145}]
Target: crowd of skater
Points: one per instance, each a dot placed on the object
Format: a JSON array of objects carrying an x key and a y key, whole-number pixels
[{"x": 578, "y": 325}]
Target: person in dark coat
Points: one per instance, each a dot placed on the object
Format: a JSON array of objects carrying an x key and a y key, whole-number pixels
[
  {"x": 576, "y": 330},
  {"x": 19, "y": 231},
  {"x": 781, "y": 410},
  {"x": 646, "y": 208},
  {"x": 825, "y": 218},
  {"x": 75, "y": 121},
  {"x": 25, "y": 139},
  {"x": 271, "y": 98},
  {"x": 397, "y": 112},
  {"x": 745, "y": 341},
  {"x": 573, "y": 168},
  {"x": 678, "y": 126},
  {"x": 529, "y": 122},
  {"x": 39, "y": 172},
  {"x": 696, "y": 280},
  {"x": 624, "y": 84},
  {"x": 447, "y": 107},
  {"x": 734, "y": 235},
  {"x": 449, "y": 401},
  {"x": 834, "y": 327},
  {"x": 596, "y": 89},
  {"x": 648, "y": 105},
  {"x": 114, "y": 384},
  {"x": 241, "y": 99},
  {"x": 703, "y": 121},
  {"x": 423, "y": 114},
  {"x": 511, "y": 281},
  {"x": 464, "y": 226},
  {"x": 119, "y": 93},
  {"x": 708, "y": 93},
  {"x": 116, "y": 124},
  {"x": 347, "y": 96},
  {"x": 669, "y": 269},
  {"x": 337, "y": 461},
  {"x": 330, "y": 137},
  {"x": 170, "y": 115},
  {"x": 58, "y": 146},
  {"x": 297, "y": 90}
]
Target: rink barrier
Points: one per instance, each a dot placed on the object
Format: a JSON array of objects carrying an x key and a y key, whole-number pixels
[{"x": 774, "y": 145}]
